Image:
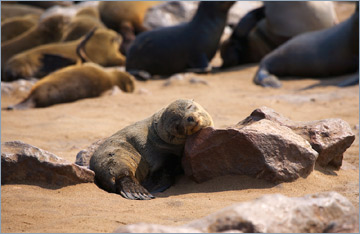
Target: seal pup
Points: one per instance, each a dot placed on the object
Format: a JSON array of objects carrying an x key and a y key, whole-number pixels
[
  {"x": 185, "y": 47},
  {"x": 262, "y": 30},
  {"x": 73, "y": 83},
  {"x": 101, "y": 46},
  {"x": 324, "y": 53},
  {"x": 145, "y": 156}
]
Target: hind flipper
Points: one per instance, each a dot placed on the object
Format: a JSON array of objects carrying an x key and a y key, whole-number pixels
[
  {"x": 26, "y": 104},
  {"x": 265, "y": 79}
]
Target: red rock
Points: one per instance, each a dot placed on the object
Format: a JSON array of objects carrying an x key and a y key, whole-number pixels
[
  {"x": 263, "y": 149},
  {"x": 23, "y": 163},
  {"x": 329, "y": 137}
]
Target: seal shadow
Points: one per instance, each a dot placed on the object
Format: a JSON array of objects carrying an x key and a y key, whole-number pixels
[
  {"x": 217, "y": 70},
  {"x": 184, "y": 185}
]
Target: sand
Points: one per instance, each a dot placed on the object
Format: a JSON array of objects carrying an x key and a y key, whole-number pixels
[{"x": 228, "y": 96}]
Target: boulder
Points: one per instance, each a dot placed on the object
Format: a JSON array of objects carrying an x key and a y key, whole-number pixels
[
  {"x": 274, "y": 213},
  {"x": 23, "y": 163},
  {"x": 329, "y": 137},
  {"x": 84, "y": 156},
  {"x": 263, "y": 149}
]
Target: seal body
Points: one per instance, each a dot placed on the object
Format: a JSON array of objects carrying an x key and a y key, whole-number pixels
[
  {"x": 46, "y": 31},
  {"x": 324, "y": 53},
  {"x": 15, "y": 26},
  {"x": 188, "y": 46},
  {"x": 145, "y": 156},
  {"x": 102, "y": 48},
  {"x": 73, "y": 83},
  {"x": 264, "y": 29}
]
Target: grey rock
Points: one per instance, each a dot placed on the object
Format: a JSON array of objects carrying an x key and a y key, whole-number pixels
[
  {"x": 153, "y": 228},
  {"x": 23, "y": 163},
  {"x": 329, "y": 137},
  {"x": 17, "y": 87},
  {"x": 84, "y": 156},
  {"x": 275, "y": 213},
  {"x": 263, "y": 149}
]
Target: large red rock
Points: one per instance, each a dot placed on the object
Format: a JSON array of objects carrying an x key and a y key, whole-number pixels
[
  {"x": 23, "y": 163},
  {"x": 329, "y": 137},
  {"x": 262, "y": 149}
]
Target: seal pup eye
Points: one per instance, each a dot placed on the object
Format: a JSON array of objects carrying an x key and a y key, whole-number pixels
[
  {"x": 189, "y": 106},
  {"x": 190, "y": 119}
]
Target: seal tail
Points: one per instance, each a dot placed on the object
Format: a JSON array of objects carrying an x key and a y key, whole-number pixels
[{"x": 80, "y": 49}]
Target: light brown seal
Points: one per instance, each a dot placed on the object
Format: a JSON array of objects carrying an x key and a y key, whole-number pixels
[
  {"x": 101, "y": 48},
  {"x": 145, "y": 156},
  {"x": 13, "y": 27},
  {"x": 73, "y": 83}
]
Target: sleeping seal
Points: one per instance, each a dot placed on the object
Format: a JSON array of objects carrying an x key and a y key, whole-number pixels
[{"x": 145, "y": 156}]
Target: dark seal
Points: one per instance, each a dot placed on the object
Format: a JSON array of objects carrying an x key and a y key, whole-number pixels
[
  {"x": 185, "y": 47},
  {"x": 324, "y": 53}
]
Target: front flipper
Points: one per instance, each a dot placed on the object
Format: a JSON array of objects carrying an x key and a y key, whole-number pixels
[
  {"x": 265, "y": 79},
  {"x": 199, "y": 64},
  {"x": 129, "y": 188}
]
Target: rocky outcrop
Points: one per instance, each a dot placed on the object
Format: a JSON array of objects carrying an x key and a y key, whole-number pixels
[
  {"x": 329, "y": 137},
  {"x": 263, "y": 149},
  {"x": 23, "y": 163},
  {"x": 275, "y": 213}
]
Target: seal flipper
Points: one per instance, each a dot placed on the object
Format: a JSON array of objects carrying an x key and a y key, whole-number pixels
[
  {"x": 199, "y": 64},
  {"x": 353, "y": 80},
  {"x": 265, "y": 79},
  {"x": 129, "y": 188},
  {"x": 26, "y": 104}
]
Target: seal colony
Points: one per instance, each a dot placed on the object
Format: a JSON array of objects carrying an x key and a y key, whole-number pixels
[{"x": 145, "y": 156}]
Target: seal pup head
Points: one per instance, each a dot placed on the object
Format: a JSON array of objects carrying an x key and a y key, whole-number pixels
[{"x": 180, "y": 119}]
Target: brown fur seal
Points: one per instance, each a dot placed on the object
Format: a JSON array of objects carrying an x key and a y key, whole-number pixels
[
  {"x": 264, "y": 29},
  {"x": 83, "y": 22},
  {"x": 144, "y": 157},
  {"x": 125, "y": 17},
  {"x": 101, "y": 48},
  {"x": 324, "y": 53},
  {"x": 114, "y": 13},
  {"x": 185, "y": 47},
  {"x": 73, "y": 83},
  {"x": 13, "y": 10},
  {"x": 48, "y": 30},
  {"x": 15, "y": 26}
]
